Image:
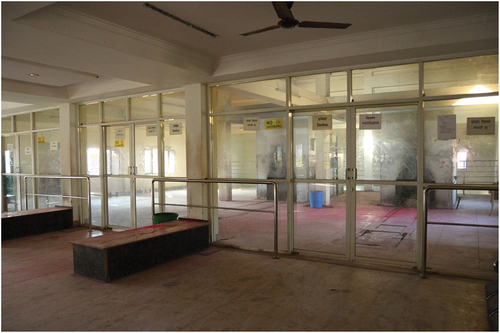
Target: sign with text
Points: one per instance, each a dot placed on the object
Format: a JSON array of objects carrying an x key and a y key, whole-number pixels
[
  {"x": 54, "y": 145},
  {"x": 271, "y": 124},
  {"x": 481, "y": 126},
  {"x": 120, "y": 134},
  {"x": 370, "y": 121},
  {"x": 447, "y": 127},
  {"x": 323, "y": 122},
  {"x": 119, "y": 143},
  {"x": 151, "y": 130},
  {"x": 175, "y": 128},
  {"x": 41, "y": 139},
  {"x": 251, "y": 124}
]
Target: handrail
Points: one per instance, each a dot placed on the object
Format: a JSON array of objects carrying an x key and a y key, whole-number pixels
[
  {"x": 227, "y": 181},
  {"x": 60, "y": 196},
  {"x": 492, "y": 187}
]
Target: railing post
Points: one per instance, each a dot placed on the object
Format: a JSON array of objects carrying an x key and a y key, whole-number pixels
[
  {"x": 276, "y": 256},
  {"x": 423, "y": 272}
]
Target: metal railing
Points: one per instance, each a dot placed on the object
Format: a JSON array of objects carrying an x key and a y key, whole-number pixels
[
  {"x": 478, "y": 187},
  {"x": 225, "y": 181},
  {"x": 26, "y": 194}
]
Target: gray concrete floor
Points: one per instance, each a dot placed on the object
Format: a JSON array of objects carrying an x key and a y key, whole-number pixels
[{"x": 224, "y": 289}]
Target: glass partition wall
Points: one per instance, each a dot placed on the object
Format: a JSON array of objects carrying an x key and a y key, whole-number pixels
[
  {"x": 353, "y": 151},
  {"x": 124, "y": 144}
]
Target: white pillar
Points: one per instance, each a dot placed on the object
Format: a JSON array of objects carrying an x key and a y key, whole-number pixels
[{"x": 196, "y": 148}]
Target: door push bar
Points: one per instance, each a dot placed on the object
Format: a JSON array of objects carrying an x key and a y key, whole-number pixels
[{"x": 351, "y": 173}]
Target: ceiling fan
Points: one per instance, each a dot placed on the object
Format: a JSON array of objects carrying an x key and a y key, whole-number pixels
[{"x": 287, "y": 21}]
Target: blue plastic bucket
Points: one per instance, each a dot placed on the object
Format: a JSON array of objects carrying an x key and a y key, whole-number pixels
[{"x": 316, "y": 199}]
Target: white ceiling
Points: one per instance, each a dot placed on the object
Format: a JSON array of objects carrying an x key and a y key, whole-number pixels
[{"x": 84, "y": 51}]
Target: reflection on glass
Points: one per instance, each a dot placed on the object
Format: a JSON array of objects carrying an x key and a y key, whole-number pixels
[
  {"x": 320, "y": 217},
  {"x": 117, "y": 150},
  {"x": 46, "y": 119},
  {"x": 385, "y": 83},
  {"x": 386, "y": 139},
  {"x": 119, "y": 202},
  {"x": 319, "y": 141},
  {"x": 144, "y": 107},
  {"x": 8, "y": 151},
  {"x": 173, "y": 104},
  {"x": 143, "y": 202},
  {"x": 319, "y": 89},
  {"x": 115, "y": 110},
  {"x": 386, "y": 222},
  {"x": 256, "y": 151},
  {"x": 25, "y": 154},
  {"x": 48, "y": 155},
  {"x": 146, "y": 150},
  {"x": 463, "y": 157},
  {"x": 249, "y": 96},
  {"x": 89, "y": 113},
  {"x": 174, "y": 144},
  {"x": 461, "y": 76},
  {"x": 9, "y": 191},
  {"x": 90, "y": 155}
]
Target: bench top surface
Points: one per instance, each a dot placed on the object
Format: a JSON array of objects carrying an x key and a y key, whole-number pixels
[
  {"x": 135, "y": 235},
  {"x": 6, "y": 215}
]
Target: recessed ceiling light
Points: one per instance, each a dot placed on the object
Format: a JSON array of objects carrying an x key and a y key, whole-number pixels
[{"x": 34, "y": 74}]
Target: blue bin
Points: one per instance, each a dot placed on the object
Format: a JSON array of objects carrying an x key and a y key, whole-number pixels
[{"x": 316, "y": 199}]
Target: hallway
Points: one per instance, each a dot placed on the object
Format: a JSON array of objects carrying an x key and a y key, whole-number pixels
[{"x": 226, "y": 289}]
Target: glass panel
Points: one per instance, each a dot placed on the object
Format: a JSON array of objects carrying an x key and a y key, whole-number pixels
[
  {"x": 50, "y": 187},
  {"x": 255, "y": 150},
  {"x": 173, "y": 103},
  {"x": 461, "y": 143},
  {"x": 48, "y": 154},
  {"x": 143, "y": 202},
  {"x": 22, "y": 122},
  {"x": 319, "y": 141},
  {"x": 319, "y": 89},
  {"x": 89, "y": 113},
  {"x": 175, "y": 193},
  {"x": 386, "y": 139},
  {"x": 249, "y": 228},
  {"x": 144, "y": 107},
  {"x": 96, "y": 201},
  {"x": 466, "y": 248},
  {"x": 8, "y": 153},
  {"x": 320, "y": 217},
  {"x": 6, "y": 125},
  {"x": 461, "y": 76},
  {"x": 174, "y": 144},
  {"x": 115, "y": 110},
  {"x": 9, "y": 194},
  {"x": 146, "y": 149},
  {"x": 386, "y": 221},
  {"x": 249, "y": 96},
  {"x": 46, "y": 119},
  {"x": 25, "y": 153},
  {"x": 119, "y": 211},
  {"x": 385, "y": 83},
  {"x": 90, "y": 151},
  {"x": 118, "y": 150}
]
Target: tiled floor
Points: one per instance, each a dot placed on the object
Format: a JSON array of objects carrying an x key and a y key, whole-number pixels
[{"x": 224, "y": 289}]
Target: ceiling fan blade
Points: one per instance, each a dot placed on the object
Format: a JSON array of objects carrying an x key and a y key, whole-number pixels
[
  {"x": 260, "y": 30},
  {"x": 326, "y": 25},
  {"x": 283, "y": 10}
]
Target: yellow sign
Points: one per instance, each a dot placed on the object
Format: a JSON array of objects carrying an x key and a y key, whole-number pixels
[
  {"x": 41, "y": 139},
  {"x": 273, "y": 123},
  {"x": 119, "y": 143}
]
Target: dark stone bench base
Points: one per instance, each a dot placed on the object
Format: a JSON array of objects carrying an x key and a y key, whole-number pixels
[
  {"x": 112, "y": 256},
  {"x": 36, "y": 221}
]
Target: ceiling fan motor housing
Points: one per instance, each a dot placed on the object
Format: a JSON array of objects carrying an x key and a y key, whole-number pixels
[{"x": 288, "y": 23}]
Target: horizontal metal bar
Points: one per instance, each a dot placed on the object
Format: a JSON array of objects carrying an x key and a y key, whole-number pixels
[
  {"x": 222, "y": 180},
  {"x": 54, "y": 195},
  {"x": 464, "y": 224},
  {"x": 217, "y": 207}
]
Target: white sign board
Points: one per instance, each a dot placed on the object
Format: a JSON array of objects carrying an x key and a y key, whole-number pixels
[
  {"x": 120, "y": 134},
  {"x": 54, "y": 145},
  {"x": 481, "y": 126},
  {"x": 151, "y": 130},
  {"x": 370, "y": 121},
  {"x": 322, "y": 122},
  {"x": 447, "y": 127},
  {"x": 175, "y": 128},
  {"x": 251, "y": 124},
  {"x": 27, "y": 151}
]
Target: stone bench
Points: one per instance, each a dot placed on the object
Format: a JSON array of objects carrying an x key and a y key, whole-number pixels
[
  {"x": 111, "y": 256},
  {"x": 36, "y": 221}
]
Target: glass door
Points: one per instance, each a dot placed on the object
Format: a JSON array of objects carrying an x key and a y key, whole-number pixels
[
  {"x": 119, "y": 170},
  {"x": 319, "y": 166},
  {"x": 385, "y": 183}
]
